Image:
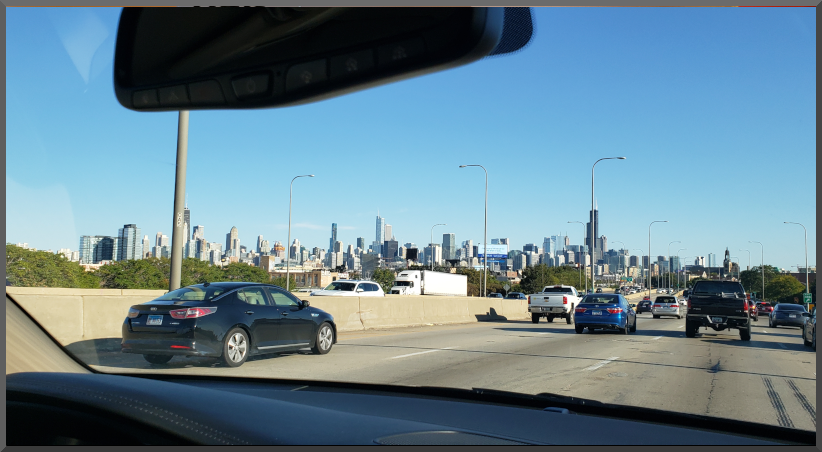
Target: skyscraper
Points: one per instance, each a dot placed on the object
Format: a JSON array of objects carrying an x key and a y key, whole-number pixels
[
  {"x": 530, "y": 247},
  {"x": 338, "y": 247},
  {"x": 187, "y": 223},
  {"x": 199, "y": 233},
  {"x": 388, "y": 233},
  {"x": 390, "y": 249},
  {"x": 157, "y": 241},
  {"x": 361, "y": 242},
  {"x": 96, "y": 248},
  {"x": 259, "y": 243},
  {"x": 380, "y": 234},
  {"x": 264, "y": 248},
  {"x": 146, "y": 247},
  {"x": 333, "y": 237},
  {"x": 129, "y": 244},
  {"x": 449, "y": 246},
  {"x": 711, "y": 260},
  {"x": 592, "y": 234},
  {"x": 294, "y": 249},
  {"x": 232, "y": 239}
]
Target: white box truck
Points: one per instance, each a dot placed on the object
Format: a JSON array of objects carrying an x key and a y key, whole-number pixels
[{"x": 426, "y": 282}]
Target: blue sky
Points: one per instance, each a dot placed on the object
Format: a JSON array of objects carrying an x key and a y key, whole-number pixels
[{"x": 714, "y": 109}]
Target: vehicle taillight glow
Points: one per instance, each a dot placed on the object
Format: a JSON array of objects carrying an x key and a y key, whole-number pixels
[
  {"x": 564, "y": 300},
  {"x": 133, "y": 313},
  {"x": 179, "y": 346},
  {"x": 192, "y": 313},
  {"x": 529, "y": 299},
  {"x": 614, "y": 310},
  {"x": 744, "y": 304},
  {"x": 579, "y": 310},
  {"x": 689, "y": 304}
]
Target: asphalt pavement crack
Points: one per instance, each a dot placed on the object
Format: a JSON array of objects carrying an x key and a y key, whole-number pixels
[
  {"x": 781, "y": 414},
  {"x": 806, "y": 404},
  {"x": 713, "y": 370}
]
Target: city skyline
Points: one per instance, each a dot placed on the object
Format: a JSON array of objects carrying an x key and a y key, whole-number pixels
[{"x": 747, "y": 106}]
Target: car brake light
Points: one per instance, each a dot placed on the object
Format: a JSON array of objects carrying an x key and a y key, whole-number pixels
[
  {"x": 529, "y": 299},
  {"x": 744, "y": 304},
  {"x": 192, "y": 313},
  {"x": 179, "y": 346},
  {"x": 133, "y": 313},
  {"x": 689, "y": 304},
  {"x": 564, "y": 300},
  {"x": 614, "y": 310},
  {"x": 579, "y": 310}
]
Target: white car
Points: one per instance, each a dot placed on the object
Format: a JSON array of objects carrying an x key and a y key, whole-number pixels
[{"x": 350, "y": 288}]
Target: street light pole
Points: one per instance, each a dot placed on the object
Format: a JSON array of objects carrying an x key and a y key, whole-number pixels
[
  {"x": 678, "y": 263},
  {"x": 749, "y": 258},
  {"x": 485, "y": 235},
  {"x": 432, "y": 243},
  {"x": 649, "y": 252},
  {"x": 807, "y": 281},
  {"x": 288, "y": 243},
  {"x": 669, "y": 262},
  {"x": 761, "y": 266},
  {"x": 177, "y": 233},
  {"x": 583, "y": 263},
  {"x": 593, "y": 218}
]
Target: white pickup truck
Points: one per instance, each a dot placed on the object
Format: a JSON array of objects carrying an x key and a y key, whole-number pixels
[{"x": 554, "y": 301}]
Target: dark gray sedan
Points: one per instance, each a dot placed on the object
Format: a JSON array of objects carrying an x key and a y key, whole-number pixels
[{"x": 787, "y": 314}]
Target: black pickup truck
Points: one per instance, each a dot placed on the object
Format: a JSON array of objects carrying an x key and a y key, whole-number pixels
[{"x": 718, "y": 305}]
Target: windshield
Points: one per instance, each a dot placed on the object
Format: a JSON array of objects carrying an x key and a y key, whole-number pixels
[
  {"x": 193, "y": 293},
  {"x": 343, "y": 286},
  {"x": 718, "y": 96}
]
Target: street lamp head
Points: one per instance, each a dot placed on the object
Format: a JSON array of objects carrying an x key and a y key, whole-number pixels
[
  {"x": 622, "y": 158},
  {"x": 463, "y": 166},
  {"x": 310, "y": 175}
]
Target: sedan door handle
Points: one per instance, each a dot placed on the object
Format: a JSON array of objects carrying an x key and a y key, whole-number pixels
[
  {"x": 249, "y": 312},
  {"x": 285, "y": 314}
]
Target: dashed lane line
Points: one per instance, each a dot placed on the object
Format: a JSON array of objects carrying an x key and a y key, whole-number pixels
[
  {"x": 422, "y": 353},
  {"x": 601, "y": 363}
]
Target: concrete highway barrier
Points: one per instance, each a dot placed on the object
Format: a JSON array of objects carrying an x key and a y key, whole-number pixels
[{"x": 74, "y": 315}]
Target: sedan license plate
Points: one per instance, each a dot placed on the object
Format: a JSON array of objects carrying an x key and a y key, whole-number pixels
[
  {"x": 793, "y": 316},
  {"x": 155, "y": 320},
  {"x": 596, "y": 312},
  {"x": 716, "y": 319}
]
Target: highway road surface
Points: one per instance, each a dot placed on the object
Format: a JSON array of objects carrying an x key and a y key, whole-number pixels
[{"x": 770, "y": 379}]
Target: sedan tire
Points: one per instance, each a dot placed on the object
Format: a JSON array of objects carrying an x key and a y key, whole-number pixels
[
  {"x": 157, "y": 359},
  {"x": 578, "y": 329},
  {"x": 804, "y": 338},
  {"x": 324, "y": 340},
  {"x": 235, "y": 348},
  {"x": 633, "y": 328},
  {"x": 569, "y": 318}
]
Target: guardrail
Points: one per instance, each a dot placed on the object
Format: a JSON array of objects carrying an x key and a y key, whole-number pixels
[{"x": 72, "y": 315}]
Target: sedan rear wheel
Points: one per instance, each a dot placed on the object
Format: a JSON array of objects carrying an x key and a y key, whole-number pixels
[
  {"x": 805, "y": 337},
  {"x": 324, "y": 340},
  {"x": 579, "y": 329},
  {"x": 569, "y": 318},
  {"x": 235, "y": 348}
]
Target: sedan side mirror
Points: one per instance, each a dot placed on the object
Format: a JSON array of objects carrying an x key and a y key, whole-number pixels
[
  {"x": 360, "y": 290},
  {"x": 305, "y": 304},
  {"x": 806, "y": 314}
]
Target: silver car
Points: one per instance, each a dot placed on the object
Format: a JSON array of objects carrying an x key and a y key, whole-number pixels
[{"x": 666, "y": 306}]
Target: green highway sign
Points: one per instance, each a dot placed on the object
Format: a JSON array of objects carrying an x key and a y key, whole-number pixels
[{"x": 807, "y": 298}]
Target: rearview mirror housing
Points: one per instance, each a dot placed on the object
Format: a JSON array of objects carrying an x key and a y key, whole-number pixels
[{"x": 169, "y": 59}]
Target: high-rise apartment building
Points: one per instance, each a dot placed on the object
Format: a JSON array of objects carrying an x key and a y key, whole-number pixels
[
  {"x": 390, "y": 249},
  {"x": 96, "y": 248},
  {"x": 700, "y": 261},
  {"x": 130, "y": 246},
  {"x": 264, "y": 248},
  {"x": 361, "y": 242},
  {"x": 338, "y": 247},
  {"x": 712, "y": 260},
  {"x": 199, "y": 232},
  {"x": 259, "y": 243},
  {"x": 294, "y": 249},
  {"x": 187, "y": 223},
  {"x": 449, "y": 246},
  {"x": 389, "y": 234},
  {"x": 530, "y": 247},
  {"x": 145, "y": 250}
]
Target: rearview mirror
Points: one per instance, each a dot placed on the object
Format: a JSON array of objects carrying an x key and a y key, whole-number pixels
[
  {"x": 305, "y": 303},
  {"x": 259, "y": 57},
  {"x": 360, "y": 290}
]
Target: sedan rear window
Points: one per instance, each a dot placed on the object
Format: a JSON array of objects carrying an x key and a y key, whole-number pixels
[
  {"x": 600, "y": 299},
  {"x": 341, "y": 286},
  {"x": 789, "y": 307},
  {"x": 193, "y": 293}
]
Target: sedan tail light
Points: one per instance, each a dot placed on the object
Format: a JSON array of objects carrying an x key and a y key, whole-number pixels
[
  {"x": 192, "y": 313},
  {"x": 133, "y": 313},
  {"x": 614, "y": 310},
  {"x": 579, "y": 310}
]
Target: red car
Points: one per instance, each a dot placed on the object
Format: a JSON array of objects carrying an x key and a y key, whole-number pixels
[{"x": 764, "y": 308}]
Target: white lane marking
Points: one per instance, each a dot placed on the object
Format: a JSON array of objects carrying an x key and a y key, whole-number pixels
[
  {"x": 680, "y": 326},
  {"x": 601, "y": 363},
  {"x": 420, "y": 353},
  {"x": 658, "y": 337},
  {"x": 782, "y": 345}
]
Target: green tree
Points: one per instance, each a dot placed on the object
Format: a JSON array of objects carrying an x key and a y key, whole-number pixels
[
  {"x": 752, "y": 279},
  {"x": 132, "y": 274},
  {"x": 280, "y": 281},
  {"x": 535, "y": 278},
  {"x": 195, "y": 271},
  {"x": 783, "y": 288},
  {"x": 240, "y": 271},
  {"x": 28, "y": 268},
  {"x": 385, "y": 278}
]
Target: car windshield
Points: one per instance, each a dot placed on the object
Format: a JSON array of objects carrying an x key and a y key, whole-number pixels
[
  {"x": 559, "y": 134},
  {"x": 342, "y": 286},
  {"x": 193, "y": 293}
]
